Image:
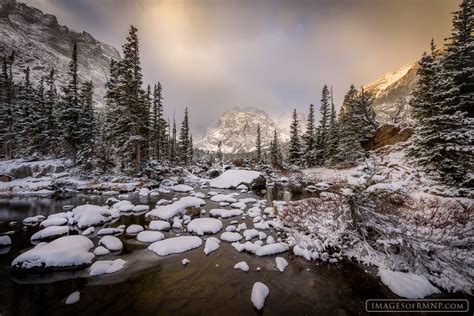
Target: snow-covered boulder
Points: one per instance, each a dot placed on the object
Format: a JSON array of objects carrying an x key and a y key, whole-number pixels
[
  {"x": 171, "y": 210},
  {"x": 134, "y": 229},
  {"x": 272, "y": 249},
  {"x": 33, "y": 220},
  {"x": 231, "y": 236},
  {"x": 407, "y": 285},
  {"x": 5, "y": 241},
  {"x": 223, "y": 213},
  {"x": 106, "y": 267},
  {"x": 231, "y": 179},
  {"x": 50, "y": 232},
  {"x": 150, "y": 236},
  {"x": 112, "y": 243},
  {"x": 203, "y": 226},
  {"x": 175, "y": 245},
  {"x": 182, "y": 188},
  {"x": 53, "y": 221},
  {"x": 242, "y": 265},
  {"x": 159, "y": 225},
  {"x": 259, "y": 293},
  {"x": 212, "y": 244},
  {"x": 281, "y": 263},
  {"x": 88, "y": 215},
  {"x": 62, "y": 253},
  {"x": 73, "y": 298}
]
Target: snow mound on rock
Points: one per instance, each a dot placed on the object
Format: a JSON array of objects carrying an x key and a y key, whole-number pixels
[
  {"x": 64, "y": 252},
  {"x": 203, "y": 226},
  {"x": 106, "y": 267},
  {"x": 231, "y": 179},
  {"x": 175, "y": 245},
  {"x": 259, "y": 293},
  {"x": 407, "y": 285},
  {"x": 149, "y": 236}
]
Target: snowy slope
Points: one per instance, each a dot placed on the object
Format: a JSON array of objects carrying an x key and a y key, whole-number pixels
[
  {"x": 392, "y": 94},
  {"x": 237, "y": 130},
  {"x": 41, "y": 43}
]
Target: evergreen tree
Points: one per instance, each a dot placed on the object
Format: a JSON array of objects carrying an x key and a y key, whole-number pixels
[
  {"x": 7, "y": 110},
  {"x": 333, "y": 135},
  {"x": 173, "y": 143},
  {"x": 86, "y": 126},
  {"x": 51, "y": 116},
  {"x": 294, "y": 155},
  {"x": 191, "y": 148},
  {"x": 309, "y": 139},
  {"x": 275, "y": 152},
  {"x": 349, "y": 148},
  {"x": 25, "y": 120},
  {"x": 324, "y": 125},
  {"x": 71, "y": 109},
  {"x": 219, "y": 155},
  {"x": 157, "y": 125},
  {"x": 442, "y": 106},
  {"x": 258, "y": 145},
  {"x": 184, "y": 139}
]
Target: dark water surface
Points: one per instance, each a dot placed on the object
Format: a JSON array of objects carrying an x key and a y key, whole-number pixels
[{"x": 153, "y": 285}]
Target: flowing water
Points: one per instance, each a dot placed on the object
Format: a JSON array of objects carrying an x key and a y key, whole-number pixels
[{"x": 150, "y": 284}]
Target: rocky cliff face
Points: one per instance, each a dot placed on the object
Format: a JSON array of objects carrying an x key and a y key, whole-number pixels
[
  {"x": 392, "y": 92},
  {"x": 41, "y": 43}
]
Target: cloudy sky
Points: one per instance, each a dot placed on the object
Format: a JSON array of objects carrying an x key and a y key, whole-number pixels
[{"x": 275, "y": 55}]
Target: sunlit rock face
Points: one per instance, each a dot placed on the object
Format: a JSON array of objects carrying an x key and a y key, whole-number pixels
[
  {"x": 41, "y": 43},
  {"x": 392, "y": 94}
]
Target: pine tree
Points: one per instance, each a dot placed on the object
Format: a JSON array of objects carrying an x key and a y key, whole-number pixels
[
  {"x": 157, "y": 124},
  {"x": 258, "y": 145},
  {"x": 219, "y": 155},
  {"x": 324, "y": 125},
  {"x": 191, "y": 148},
  {"x": 86, "y": 126},
  {"x": 349, "y": 148},
  {"x": 309, "y": 139},
  {"x": 294, "y": 155},
  {"x": 51, "y": 116},
  {"x": 184, "y": 139},
  {"x": 442, "y": 106},
  {"x": 333, "y": 135},
  {"x": 25, "y": 121},
  {"x": 71, "y": 109},
  {"x": 7, "y": 110},
  {"x": 133, "y": 98},
  {"x": 275, "y": 152},
  {"x": 173, "y": 150}
]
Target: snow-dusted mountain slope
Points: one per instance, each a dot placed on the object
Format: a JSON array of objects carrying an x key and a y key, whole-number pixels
[
  {"x": 237, "y": 130},
  {"x": 392, "y": 92},
  {"x": 41, "y": 43}
]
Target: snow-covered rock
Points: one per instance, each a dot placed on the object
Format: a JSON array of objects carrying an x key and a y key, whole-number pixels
[
  {"x": 169, "y": 211},
  {"x": 101, "y": 251},
  {"x": 175, "y": 245},
  {"x": 223, "y": 213},
  {"x": 106, "y": 267},
  {"x": 272, "y": 249},
  {"x": 231, "y": 236},
  {"x": 33, "y": 220},
  {"x": 212, "y": 244},
  {"x": 149, "y": 236},
  {"x": 5, "y": 241},
  {"x": 140, "y": 208},
  {"x": 185, "y": 262},
  {"x": 182, "y": 188},
  {"x": 73, "y": 298},
  {"x": 407, "y": 285},
  {"x": 242, "y": 265},
  {"x": 159, "y": 225},
  {"x": 90, "y": 215},
  {"x": 203, "y": 226},
  {"x": 112, "y": 243},
  {"x": 281, "y": 263},
  {"x": 134, "y": 229},
  {"x": 110, "y": 231},
  {"x": 259, "y": 294},
  {"x": 50, "y": 232},
  {"x": 62, "y": 253},
  {"x": 53, "y": 221},
  {"x": 231, "y": 179}
]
